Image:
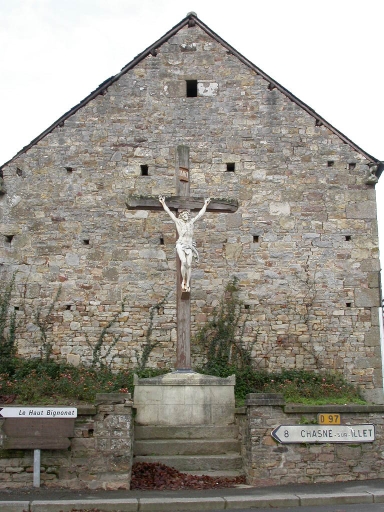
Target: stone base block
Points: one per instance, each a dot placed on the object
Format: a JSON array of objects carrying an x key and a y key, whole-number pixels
[
  {"x": 184, "y": 398},
  {"x": 375, "y": 396}
]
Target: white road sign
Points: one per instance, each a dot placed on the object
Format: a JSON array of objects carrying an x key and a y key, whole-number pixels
[
  {"x": 324, "y": 434},
  {"x": 38, "y": 412}
]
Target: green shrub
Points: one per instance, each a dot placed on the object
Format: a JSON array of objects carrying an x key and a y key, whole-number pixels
[
  {"x": 298, "y": 386},
  {"x": 39, "y": 381},
  {"x": 221, "y": 338}
]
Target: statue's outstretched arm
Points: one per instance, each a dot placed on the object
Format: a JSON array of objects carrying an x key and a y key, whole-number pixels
[
  {"x": 162, "y": 201},
  {"x": 203, "y": 210}
]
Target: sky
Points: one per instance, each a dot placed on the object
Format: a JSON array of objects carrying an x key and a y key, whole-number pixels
[{"x": 327, "y": 53}]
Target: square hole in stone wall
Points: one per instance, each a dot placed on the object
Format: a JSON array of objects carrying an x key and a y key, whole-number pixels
[
  {"x": 230, "y": 166},
  {"x": 191, "y": 88},
  {"x": 144, "y": 170}
]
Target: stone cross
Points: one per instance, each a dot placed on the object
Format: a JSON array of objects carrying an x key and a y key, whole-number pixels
[{"x": 182, "y": 201}]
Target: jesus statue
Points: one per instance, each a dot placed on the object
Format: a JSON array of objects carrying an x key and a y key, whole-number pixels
[{"x": 185, "y": 246}]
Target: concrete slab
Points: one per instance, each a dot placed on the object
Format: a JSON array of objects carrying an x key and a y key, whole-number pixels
[
  {"x": 123, "y": 505},
  {"x": 277, "y": 500},
  {"x": 378, "y": 496},
  {"x": 202, "y": 463},
  {"x": 186, "y": 432},
  {"x": 177, "y": 504},
  {"x": 344, "y": 498},
  {"x": 186, "y": 447},
  {"x": 14, "y": 506}
]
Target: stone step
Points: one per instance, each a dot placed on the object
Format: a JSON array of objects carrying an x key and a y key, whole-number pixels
[
  {"x": 200, "y": 463},
  {"x": 186, "y": 432},
  {"x": 186, "y": 447},
  {"x": 214, "y": 474}
]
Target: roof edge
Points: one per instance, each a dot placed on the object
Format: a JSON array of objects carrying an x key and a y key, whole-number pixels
[
  {"x": 274, "y": 84},
  {"x": 191, "y": 19},
  {"x": 103, "y": 86}
]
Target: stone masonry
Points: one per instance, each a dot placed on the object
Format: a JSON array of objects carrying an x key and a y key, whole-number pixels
[
  {"x": 100, "y": 455},
  {"x": 303, "y": 242},
  {"x": 266, "y": 462}
]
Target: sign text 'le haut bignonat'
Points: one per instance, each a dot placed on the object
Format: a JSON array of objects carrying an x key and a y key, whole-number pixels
[{"x": 38, "y": 412}]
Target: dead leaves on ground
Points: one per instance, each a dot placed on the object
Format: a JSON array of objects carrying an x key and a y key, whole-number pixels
[{"x": 156, "y": 476}]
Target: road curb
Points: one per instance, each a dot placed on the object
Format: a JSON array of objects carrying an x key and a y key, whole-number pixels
[
  {"x": 282, "y": 500},
  {"x": 107, "y": 505},
  {"x": 335, "y": 498},
  {"x": 14, "y": 506},
  {"x": 189, "y": 504}
]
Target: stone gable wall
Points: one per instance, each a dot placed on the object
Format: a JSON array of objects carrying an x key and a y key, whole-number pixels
[{"x": 303, "y": 242}]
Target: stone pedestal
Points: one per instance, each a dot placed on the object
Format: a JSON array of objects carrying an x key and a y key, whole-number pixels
[
  {"x": 186, "y": 420},
  {"x": 184, "y": 398}
]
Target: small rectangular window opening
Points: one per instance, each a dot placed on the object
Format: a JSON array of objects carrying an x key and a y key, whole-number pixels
[
  {"x": 348, "y": 304},
  {"x": 330, "y": 163},
  {"x": 230, "y": 167},
  {"x": 351, "y": 166},
  {"x": 348, "y": 238},
  {"x": 247, "y": 306},
  {"x": 86, "y": 241},
  {"x": 144, "y": 170},
  {"x": 9, "y": 238},
  {"x": 16, "y": 308},
  {"x": 191, "y": 88},
  {"x": 68, "y": 307},
  {"x": 161, "y": 240},
  {"x": 256, "y": 239}
]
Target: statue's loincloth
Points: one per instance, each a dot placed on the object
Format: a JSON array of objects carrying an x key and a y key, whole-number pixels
[{"x": 188, "y": 249}]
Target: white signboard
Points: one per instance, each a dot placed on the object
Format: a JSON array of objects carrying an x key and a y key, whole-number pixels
[
  {"x": 324, "y": 434},
  {"x": 38, "y": 412}
]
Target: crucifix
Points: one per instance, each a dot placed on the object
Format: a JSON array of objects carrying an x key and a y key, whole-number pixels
[{"x": 182, "y": 203}]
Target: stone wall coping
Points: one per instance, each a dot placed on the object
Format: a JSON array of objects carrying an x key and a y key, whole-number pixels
[
  {"x": 265, "y": 399},
  {"x": 113, "y": 398},
  {"x": 185, "y": 379},
  {"x": 86, "y": 410},
  {"x": 351, "y": 408}
]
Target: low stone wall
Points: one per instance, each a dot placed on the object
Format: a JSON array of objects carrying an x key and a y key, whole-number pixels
[
  {"x": 266, "y": 462},
  {"x": 100, "y": 455}
]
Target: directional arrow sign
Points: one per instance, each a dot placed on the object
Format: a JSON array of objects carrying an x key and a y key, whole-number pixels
[
  {"x": 38, "y": 412},
  {"x": 324, "y": 434}
]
